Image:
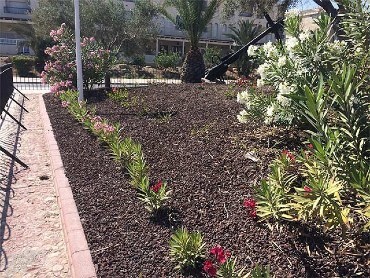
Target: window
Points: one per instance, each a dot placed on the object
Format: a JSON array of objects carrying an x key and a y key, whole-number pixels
[{"x": 215, "y": 31}]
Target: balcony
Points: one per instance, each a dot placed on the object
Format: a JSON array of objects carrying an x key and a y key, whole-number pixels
[{"x": 16, "y": 10}]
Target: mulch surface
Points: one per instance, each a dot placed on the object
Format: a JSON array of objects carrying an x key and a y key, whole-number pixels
[{"x": 191, "y": 138}]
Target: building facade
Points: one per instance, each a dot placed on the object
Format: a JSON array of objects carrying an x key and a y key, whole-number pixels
[
  {"x": 308, "y": 17},
  {"x": 14, "y": 12}
]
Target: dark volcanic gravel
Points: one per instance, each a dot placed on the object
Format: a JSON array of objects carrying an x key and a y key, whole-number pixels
[{"x": 191, "y": 138}]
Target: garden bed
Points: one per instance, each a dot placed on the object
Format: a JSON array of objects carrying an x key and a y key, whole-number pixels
[{"x": 191, "y": 138}]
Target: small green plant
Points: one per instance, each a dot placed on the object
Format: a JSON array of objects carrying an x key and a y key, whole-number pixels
[
  {"x": 231, "y": 92},
  {"x": 203, "y": 130},
  {"x": 153, "y": 196},
  {"x": 119, "y": 95},
  {"x": 122, "y": 150},
  {"x": 272, "y": 194},
  {"x": 260, "y": 272},
  {"x": 137, "y": 167},
  {"x": 186, "y": 248}
]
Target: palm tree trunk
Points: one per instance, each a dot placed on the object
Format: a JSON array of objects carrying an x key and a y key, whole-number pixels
[{"x": 193, "y": 69}]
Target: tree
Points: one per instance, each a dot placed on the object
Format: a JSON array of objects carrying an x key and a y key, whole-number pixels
[
  {"x": 258, "y": 7},
  {"x": 241, "y": 35},
  {"x": 108, "y": 20},
  {"x": 195, "y": 16}
]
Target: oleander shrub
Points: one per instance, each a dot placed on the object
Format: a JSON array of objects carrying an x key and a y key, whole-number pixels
[
  {"x": 60, "y": 70},
  {"x": 321, "y": 86}
]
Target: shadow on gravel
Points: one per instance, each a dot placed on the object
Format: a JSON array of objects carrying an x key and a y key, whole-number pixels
[{"x": 168, "y": 217}]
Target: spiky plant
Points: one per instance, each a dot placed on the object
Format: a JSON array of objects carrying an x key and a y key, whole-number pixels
[
  {"x": 195, "y": 16},
  {"x": 241, "y": 35}
]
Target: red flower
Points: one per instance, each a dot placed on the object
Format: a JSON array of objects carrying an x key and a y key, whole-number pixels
[
  {"x": 253, "y": 213},
  {"x": 220, "y": 254},
  {"x": 307, "y": 189},
  {"x": 310, "y": 146},
  {"x": 249, "y": 203},
  {"x": 157, "y": 186},
  {"x": 209, "y": 268},
  {"x": 289, "y": 155}
]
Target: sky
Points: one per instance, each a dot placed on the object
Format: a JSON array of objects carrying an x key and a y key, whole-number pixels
[{"x": 307, "y": 4}]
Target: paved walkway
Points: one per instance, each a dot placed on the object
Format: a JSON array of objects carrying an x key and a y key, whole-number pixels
[{"x": 32, "y": 238}]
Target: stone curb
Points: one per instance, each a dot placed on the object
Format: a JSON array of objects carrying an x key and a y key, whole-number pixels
[{"x": 79, "y": 256}]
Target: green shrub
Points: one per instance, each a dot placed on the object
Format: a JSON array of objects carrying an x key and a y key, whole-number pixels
[
  {"x": 138, "y": 60},
  {"x": 23, "y": 64},
  {"x": 164, "y": 60}
]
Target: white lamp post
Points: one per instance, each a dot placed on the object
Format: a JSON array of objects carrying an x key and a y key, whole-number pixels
[{"x": 78, "y": 51}]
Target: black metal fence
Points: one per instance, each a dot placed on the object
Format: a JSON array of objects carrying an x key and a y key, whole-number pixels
[
  {"x": 122, "y": 75},
  {"x": 6, "y": 85},
  {"x": 6, "y": 94}
]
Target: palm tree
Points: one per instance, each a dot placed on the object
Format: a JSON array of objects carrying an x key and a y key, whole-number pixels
[
  {"x": 194, "y": 17},
  {"x": 241, "y": 35}
]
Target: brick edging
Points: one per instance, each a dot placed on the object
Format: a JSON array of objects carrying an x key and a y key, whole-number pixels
[{"x": 79, "y": 256}]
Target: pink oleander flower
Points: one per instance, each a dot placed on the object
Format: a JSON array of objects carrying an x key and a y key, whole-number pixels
[
  {"x": 108, "y": 128},
  {"x": 307, "y": 189},
  {"x": 98, "y": 126},
  {"x": 53, "y": 33},
  {"x": 209, "y": 268},
  {"x": 96, "y": 119},
  {"x": 65, "y": 104}
]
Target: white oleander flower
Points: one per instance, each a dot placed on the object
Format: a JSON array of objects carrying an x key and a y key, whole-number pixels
[
  {"x": 242, "y": 116},
  {"x": 281, "y": 61},
  {"x": 304, "y": 36},
  {"x": 270, "y": 110},
  {"x": 260, "y": 83},
  {"x": 302, "y": 71},
  {"x": 284, "y": 88},
  {"x": 243, "y": 98},
  {"x": 270, "y": 49},
  {"x": 252, "y": 50},
  {"x": 282, "y": 100},
  {"x": 291, "y": 43},
  {"x": 262, "y": 70}
]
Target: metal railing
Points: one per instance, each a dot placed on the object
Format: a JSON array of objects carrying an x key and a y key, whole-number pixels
[
  {"x": 127, "y": 76},
  {"x": 7, "y": 94}
]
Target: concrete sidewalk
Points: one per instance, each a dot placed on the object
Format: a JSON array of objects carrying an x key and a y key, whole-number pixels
[{"x": 32, "y": 240}]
